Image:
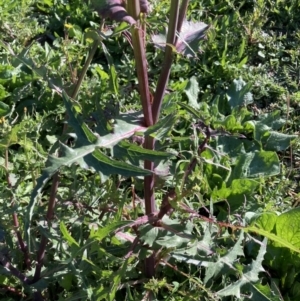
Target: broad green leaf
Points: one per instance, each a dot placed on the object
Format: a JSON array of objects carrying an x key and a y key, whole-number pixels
[
  {"x": 148, "y": 234},
  {"x": 288, "y": 226},
  {"x": 256, "y": 164},
  {"x": 66, "y": 281},
  {"x": 110, "y": 166},
  {"x": 264, "y": 293},
  {"x": 10, "y": 138},
  {"x": 278, "y": 141},
  {"x": 71, "y": 241},
  {"x": 172, "y": 234},
  {"x": 239, "y": 94},
  {"x": 265, "y": 220},
  {"x": 120, "y": 28},
  {"x": 238, "y": 187},
  {"x": 265, "y": 132},
  {"x": 230, "y": 123},
  {"x": 275, "y": 238},
  {"x": 231, "y": 146}
]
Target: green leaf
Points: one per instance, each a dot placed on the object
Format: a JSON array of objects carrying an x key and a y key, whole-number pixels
[
  {"x": 238, "y": 187},
  {"x": 190, "y": 109},
  {"x": 101, "y": 233},
  {"x": 265, "y": 131},
  {"x": 239, "y": 94},
  {"x": 113, "y": 80},
  {"x": 264, "y": 293},
  {"x": 4, "y": 108},
  {"x": 161, "y": 129},
  {"x": 278, "y": 141},
  {"x": 275, "y": 238},
  {"x": 148, "y": 234},
  {"x": 256, "y": 164},
  {"x": 10, "y": 138},
  {"x": 123, "y": 26},
  {"x": 248, "y": 277},
  {"x": 71, "y": 241},
  {"x": 213, "y": 269},
  {"x": 192, "y": 90},
  {"x": 109, "y": 166},
  {"x": 135, "y": 153},
  {"x": 265, "y": 220},
  {"x": 288, "y": 226}
]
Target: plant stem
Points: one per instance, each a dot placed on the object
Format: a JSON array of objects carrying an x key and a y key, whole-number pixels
[
  {"x": 138, "y": 41},
  {"x": 133, "y": 9},
  {"x": 49, "y": 217},
  {"x": 15, "y": 272},
  {"x": 181, "y": 17},
  {"x": 165, "y": 72},
  {"x": 149, "y": 181},
  {"x": 21, "y": 242}
]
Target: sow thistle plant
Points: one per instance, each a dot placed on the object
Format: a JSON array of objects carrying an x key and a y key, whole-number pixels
[{"x": 175, "y": 156}]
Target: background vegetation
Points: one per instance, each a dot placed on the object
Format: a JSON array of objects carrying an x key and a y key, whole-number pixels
[{"x": 226, "y": 160}]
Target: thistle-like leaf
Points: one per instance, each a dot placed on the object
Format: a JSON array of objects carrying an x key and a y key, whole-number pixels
[
  {"x": 249, "y": 278},
  {"x": 215, "y": 268},
  {"x": 89, "y": 155}
]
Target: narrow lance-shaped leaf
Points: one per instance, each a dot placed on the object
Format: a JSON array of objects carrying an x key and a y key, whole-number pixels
[
  {"x": 113, "y": 82},
  {"x": 161, "y": 129},
  {"x": 71, "y": 241},
  {"x": 133, "y": 151}
]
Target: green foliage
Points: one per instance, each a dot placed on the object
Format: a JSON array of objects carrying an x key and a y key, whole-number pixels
[{"x": 225, "y": 157}]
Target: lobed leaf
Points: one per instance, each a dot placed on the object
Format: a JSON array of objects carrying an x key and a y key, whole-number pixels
[{"x": 250, "y": 277}]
